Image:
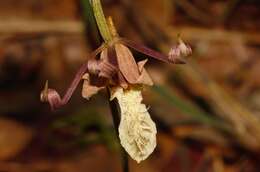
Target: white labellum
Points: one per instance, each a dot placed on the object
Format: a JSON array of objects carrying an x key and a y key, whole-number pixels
[{"x": 137, "y": 131}]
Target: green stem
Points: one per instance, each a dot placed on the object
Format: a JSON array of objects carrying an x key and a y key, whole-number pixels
[
  {"x": 113, "y": 104},
  {"x": 108, "y": 36},
  {"x": 101, "y": 21}
]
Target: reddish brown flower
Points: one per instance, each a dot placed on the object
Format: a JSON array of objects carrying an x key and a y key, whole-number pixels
[
  {"x": 115, "y": 66},
  {"x": 117, "y": 69}
]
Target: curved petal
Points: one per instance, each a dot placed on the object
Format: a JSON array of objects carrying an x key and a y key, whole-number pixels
[
  {"x": 144, "y": 78},
  {"x": 91, "y": 85},
  {"x": 152, "y": 53},
  {"x": 52, "y": 96},
  {"x": 107, "y": 67}
]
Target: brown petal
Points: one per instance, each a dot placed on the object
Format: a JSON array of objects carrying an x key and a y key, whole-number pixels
[
  {"x": 101, "y": 67},
  {"x": 104, "y": 55},
  {"x": 141, "y": 64},
  {"x": 91, "y": 85},
  {"x": 127, "y": 64},
  {"x": 147, "y": 51},
  {"x": 144, "y": 77},
  {"x": 107, "y": 65},
  {"x": 107, "y": 70},
  {"x": 52, "y": 96},
  {"x": 122, "y": 82},
  {"x": 94, "y": 66},
  {"x": 109, "y": 55}
]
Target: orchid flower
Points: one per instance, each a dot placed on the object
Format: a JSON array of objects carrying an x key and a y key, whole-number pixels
[
  {"x": 113, "y": 66},
  {"x": 117, "y": 69}
]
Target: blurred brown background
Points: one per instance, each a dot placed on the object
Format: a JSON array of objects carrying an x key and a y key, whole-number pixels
[{"x": 207, "y": 111}]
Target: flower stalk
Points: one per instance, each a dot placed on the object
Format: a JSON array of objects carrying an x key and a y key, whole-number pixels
[
  {"x": 113, "y": 104},
  {"x": 108, "y": 32},
  {"x": 101, "y": 21}
]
